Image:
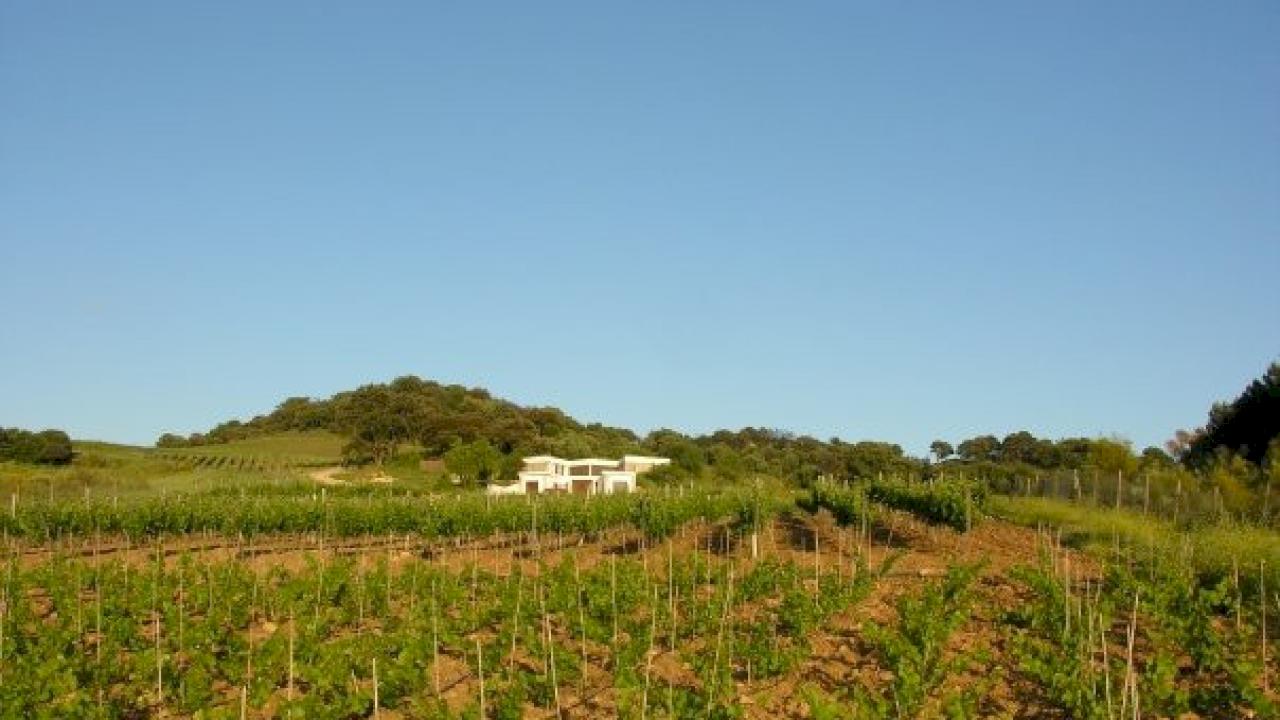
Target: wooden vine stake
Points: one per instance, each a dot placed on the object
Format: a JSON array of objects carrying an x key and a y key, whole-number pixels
[
  {"x": 435, "y": 642},
  {"x": 292, "y": 632},
  {"x": 1262, "y": 602},
  {"x": 375, "y": 691},
  {"x": 551, "y": 649},
  {"x": 515, "y": 630},
  {"x": 480, "y": 672},
  {"x": 724, "y": 619},
  {"x": 613, "y": 595},
  {"x": 648, "y": 657},
  {"x": 582, "y": 625}
]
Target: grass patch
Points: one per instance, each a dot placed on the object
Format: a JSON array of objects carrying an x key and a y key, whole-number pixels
[
  {"x": 293, "y": 448},
  {"x": 1212, "y": 551}
]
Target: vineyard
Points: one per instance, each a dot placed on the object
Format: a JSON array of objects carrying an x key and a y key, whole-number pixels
[{"x": 886, "y": 599}]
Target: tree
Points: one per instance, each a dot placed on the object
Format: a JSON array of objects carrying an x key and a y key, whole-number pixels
[
  {"x": 941, "y": 449},
  {"x": 170, "y": 440},
  {"x": 983, "y": 447},
  {"x": 869, "y": 459},
  {"x": 55, "y": 448},
  {"x": 1023, "y": 447},
  {"x": 1246, "y": 426},
  {"x": 377, "y": 419},
  {"x": 475, "y": 462},
  {"x": 1153, "y": 458},
  {"x": 1018, "y": 447},
  {"x": 1112, "y": 455},
  {"x": 48, "y": 447}
]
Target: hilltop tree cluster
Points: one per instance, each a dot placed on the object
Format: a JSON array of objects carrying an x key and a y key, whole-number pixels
[
  {"x": 1024, "y": 452},
  {"x": 48, "y": 447},
  {"x": 482, "y": 437}
]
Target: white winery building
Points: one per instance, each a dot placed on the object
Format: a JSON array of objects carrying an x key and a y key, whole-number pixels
[{"x": 585, "y": 476}]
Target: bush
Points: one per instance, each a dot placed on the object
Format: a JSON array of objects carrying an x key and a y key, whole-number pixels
[
  {"x": 48, "y": 447},
  {"x": 957, "y": 503}
]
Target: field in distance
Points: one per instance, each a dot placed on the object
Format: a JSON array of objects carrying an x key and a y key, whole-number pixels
[{"x": 111, "y": 470}]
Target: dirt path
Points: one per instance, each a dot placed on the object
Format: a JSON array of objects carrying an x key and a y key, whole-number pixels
[{"x": 325, "y": 476}]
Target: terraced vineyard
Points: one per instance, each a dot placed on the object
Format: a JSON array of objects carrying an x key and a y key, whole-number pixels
[
  {"x": 840, "y": 602},
  {"x": 271, "y": 453}
]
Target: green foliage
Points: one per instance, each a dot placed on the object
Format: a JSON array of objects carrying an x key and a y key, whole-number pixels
[
  {"x": 983, "y": 447},
  {"x": 957, "y": 503},
  {"x": 848, "y": 505},
  {"x": 915, "y": 650},
  {"x": 355, "y": 511},
  {"x": 378, "y": 419},
  {"x": 1110, "y": 456},
  {"x": 1059, "y": 643},
  {"x": 1246, "y": 426},
  {"x": 475, "y": 462},
  {"x": 47, "y": 447}
]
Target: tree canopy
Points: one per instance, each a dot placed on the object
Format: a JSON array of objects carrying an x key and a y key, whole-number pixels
[
  {"x": 49, "y": 447},
  {"x": 1245, "y": 426}
]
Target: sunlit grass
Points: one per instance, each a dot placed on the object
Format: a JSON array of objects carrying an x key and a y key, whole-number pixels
[{"x": 1213, "y": 551}]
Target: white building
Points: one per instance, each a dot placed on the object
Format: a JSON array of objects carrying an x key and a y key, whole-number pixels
[{"x": 586, "y": 476}]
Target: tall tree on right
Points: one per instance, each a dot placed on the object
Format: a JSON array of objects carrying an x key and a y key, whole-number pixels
[{"x": 1245, "y": 426}]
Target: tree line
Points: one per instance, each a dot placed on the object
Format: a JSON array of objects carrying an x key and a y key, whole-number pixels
[
  {"x": 482, "y": 438},
  {"x": 46, "y": 447}
]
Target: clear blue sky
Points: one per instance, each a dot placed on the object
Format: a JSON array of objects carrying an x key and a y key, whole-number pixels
[{"x": 898, "y": 221}]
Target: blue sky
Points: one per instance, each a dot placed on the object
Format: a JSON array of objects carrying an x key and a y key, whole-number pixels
[{"x": 898, "y": 221}]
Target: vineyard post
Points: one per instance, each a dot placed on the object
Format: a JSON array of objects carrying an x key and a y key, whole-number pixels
[
  {"x": 551, "y": 648},
  {"x": 840, "y": 555},
  {"x": 435, "y": 641},
  {"x": 582, "y": 624},
  {"x": 155, "y": 610},
  {"x": 1235, "y": 577},
  {"x": 817, "y": 565},
  {"x": 97, "y": 646},
  {"x": 159, "y": 666},
  {"x": 480, "y": 671},
  {"x": 1130, "y": 673},
  {"x": 515, "y": 631},
  {"x": 1106, "y": 659},
  {"x": 375, "y": 688},
  {"x": 613, "y": 597},
  {"x": 4, "y": 609},
  {"x": 292, "y": 632},
  {"x": 715, "y": 665},
  {"x": 182, "y": 608},
  {"x": 79, "y": 603},
  {"x": 648, "y": 658},
  {"x": 1119, "y": 487},
  {"x": 671, "y": 590},
  {"x": 1066, "y": 590},
  {"x": 1262, "y": 603}
]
